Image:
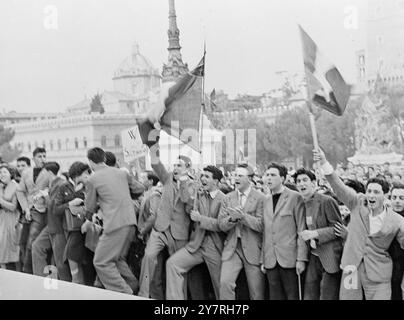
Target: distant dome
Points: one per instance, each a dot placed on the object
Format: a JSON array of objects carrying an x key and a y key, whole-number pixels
[{"x": 135, "y": 65}]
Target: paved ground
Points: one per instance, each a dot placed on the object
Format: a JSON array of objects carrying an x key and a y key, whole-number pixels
[{"x": 20, "y": 286}]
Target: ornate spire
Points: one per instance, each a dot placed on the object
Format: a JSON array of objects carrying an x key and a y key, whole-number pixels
[{"x": 175, "y": 67}]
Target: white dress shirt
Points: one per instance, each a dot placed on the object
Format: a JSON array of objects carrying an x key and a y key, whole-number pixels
[
  {"x": 376, "y": 222},
  {"x": 242, "y": 196}
]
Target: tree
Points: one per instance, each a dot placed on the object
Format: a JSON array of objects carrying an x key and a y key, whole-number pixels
[
  {"x": 337, "y": 134},
  {"x": 289, "y": 136},
  {"x": 96, "y": 104},
  {"x": 7, "y": 153},
  {"x": 392, "y": 98}
]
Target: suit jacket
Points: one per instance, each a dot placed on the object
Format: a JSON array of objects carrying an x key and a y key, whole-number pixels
[
  {"x": 63, "y": 195},
  {"x": 250, "y": 228},
  {"x": 209, "y": 223},
  {"x": 111, "y": 188},
  {"x": 281, "y": 242},
  {"x": 148, "y": 210},
  {"x": 324, "y": 214},
  {"x": 55, "y": 221},
  {"x": 360, "y": 246},
  {"x": 28, "y": 188},
  {"x": 172, "y": 214}
]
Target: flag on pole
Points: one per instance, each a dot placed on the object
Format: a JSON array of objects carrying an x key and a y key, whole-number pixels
[
  {"x": 178, "y": 108},
  {"x": 326, "y": 87}
]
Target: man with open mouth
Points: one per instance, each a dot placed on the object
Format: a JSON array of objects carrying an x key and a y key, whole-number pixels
[
  {"x": 366, "y": 263},
  {"x": 323, "y": 274},
  {"x": 206, "y": 240},
  {"x": 284, "y": 253},
  {"x": 241, "y": 218}
]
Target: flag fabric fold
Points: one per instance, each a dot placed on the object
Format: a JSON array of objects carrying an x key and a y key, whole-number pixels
[
  {"x": 326, "y": 86},
  {"x": 178, "y": 108}
]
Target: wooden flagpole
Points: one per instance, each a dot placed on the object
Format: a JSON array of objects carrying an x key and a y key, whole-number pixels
[
  {"x": 201, "y": 125},
  {"x": 309, "y": 103},
  {"x": 313, "y": 126}
]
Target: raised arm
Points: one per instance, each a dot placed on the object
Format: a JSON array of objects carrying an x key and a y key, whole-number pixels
[
  {"x": 344, "y": 193},
  {"x": 156, "y": 164}
]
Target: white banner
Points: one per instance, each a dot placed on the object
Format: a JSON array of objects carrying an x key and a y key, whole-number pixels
[{"x": 132, "y": 145}]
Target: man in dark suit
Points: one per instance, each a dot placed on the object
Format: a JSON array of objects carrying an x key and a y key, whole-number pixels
[
  {"x": 367, "y": 266},
  {"x": 241, "y": 218},
  {"x": 171, "y": 228},
  {"x": 52, "y": 237},
  {"x": 397, "y": 253},
  {"x": 323, "y": 274},
  {"x": 284, "y": 252},
  {"x": 33, "y": 180},
  {"x": 206, "y": 242},
  {"x": 111, "y": 189}
]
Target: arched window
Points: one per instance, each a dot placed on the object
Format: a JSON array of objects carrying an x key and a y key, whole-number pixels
[
  {"x": 117, "y": 140},
  {"x": 44, "y": 144},
  {"x": 67, "y": 144},
  {"x": 51, "y": 145},
  {"x": 36, "y": 144},
  {"x": 103, "y": 141},
  {"x": 76, "y": 143},
  {"x": 59, "y": 144},
  {"x": 85, "y": 142},
  {"x": 29, "y": 146}
]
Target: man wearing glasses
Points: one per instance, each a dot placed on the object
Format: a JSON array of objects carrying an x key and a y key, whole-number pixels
[{"x": 241, "y": 218}]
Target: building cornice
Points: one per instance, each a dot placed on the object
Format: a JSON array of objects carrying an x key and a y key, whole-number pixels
[{"x": 75, "y": 121}]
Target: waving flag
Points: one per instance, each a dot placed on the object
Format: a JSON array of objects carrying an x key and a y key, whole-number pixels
[
  {"x": 177, "y": 108},
  {"x": 326, "y": 86}
]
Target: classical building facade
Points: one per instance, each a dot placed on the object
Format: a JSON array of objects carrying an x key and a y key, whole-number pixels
[
  {"x": 384, "y": 51},
  {"x": 136, "y": 84},
  {"x": 67, "y": 139}
]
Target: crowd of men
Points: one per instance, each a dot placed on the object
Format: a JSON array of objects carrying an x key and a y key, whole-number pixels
[{"x": 306, "y": 234}]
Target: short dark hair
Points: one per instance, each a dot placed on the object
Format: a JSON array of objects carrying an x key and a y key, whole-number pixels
[
  {"x": 389, "y": 174},
  {"x": 397, "y": 174},
  {"x": 383, "y": 183},
  {"x": 52, "y": 166},
  {"x": 96, "y": 155},
  {"x": 397, "y": 186},
  {"x": 24, "y": 159},
  {"x": 248, "y": 167},
  {"x": 303, "y": 171},
  {"x": 110, "y": 159},
  {"x": 153, "y": 176},
  {"x": 77, "y": 169},
  {"x": 13, "y": 172},
  {"x": 281, "y": 168},
  {"x": 356, "y": 185},
  {"x": 216, "y": 172},
  {"x": 38, "y": 150}
]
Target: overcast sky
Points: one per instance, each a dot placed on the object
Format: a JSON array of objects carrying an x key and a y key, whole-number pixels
[{"x": 248, "y": 41}]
